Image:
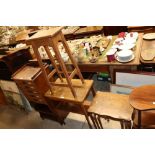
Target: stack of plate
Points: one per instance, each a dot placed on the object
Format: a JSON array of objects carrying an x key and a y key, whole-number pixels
[
  {"x": 124, "y": 56},
  {"x": 126, "y": 43}
]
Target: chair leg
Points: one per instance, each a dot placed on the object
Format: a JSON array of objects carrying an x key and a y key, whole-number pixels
[
  {"x": 100, "y": 123},
  {"x": 122, "y": 124},
  {"x": 129, "y": 125},
  {"x": 126, "y": 124},
  {"x": 86, "y": 115},
  {"x": 97, "y": 122},
  {"x": 93, "y": 91},
  {"x": 92, "y": 118}
]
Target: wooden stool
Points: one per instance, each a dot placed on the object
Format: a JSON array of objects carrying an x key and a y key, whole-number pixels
[
  {"x": 52, "y": 38},
  {"x": 110, "y": 106},
  {"x": 64, "y": 88}
]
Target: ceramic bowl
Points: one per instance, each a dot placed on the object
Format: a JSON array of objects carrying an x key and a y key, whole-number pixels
[{"x": 124, "y": 55}]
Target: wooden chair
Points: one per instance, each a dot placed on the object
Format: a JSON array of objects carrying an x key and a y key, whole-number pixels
[{"x": 109, "y": 106}]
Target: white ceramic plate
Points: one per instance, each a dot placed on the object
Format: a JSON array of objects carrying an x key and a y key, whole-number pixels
[
  {"x": 126, "y": 46},
  {"x": 135, "y": 35},
  {"x": 129, "y": 41},
  {"x": 133, "y": 56}
]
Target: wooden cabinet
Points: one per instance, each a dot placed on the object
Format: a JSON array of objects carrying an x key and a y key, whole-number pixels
[{"x": 31, "y": 82}]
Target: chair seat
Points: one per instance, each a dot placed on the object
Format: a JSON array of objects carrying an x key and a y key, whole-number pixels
[{"x": 113, "y": 105}]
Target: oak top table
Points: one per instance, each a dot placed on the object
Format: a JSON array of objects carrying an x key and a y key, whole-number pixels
[
  {"x": 142, "y": 99},
  {"x": 103, "y": 59},
  {"x": 103, "y": 65}
]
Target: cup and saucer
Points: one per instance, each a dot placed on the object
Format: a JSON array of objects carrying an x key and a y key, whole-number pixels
[{"x": 125, "y": 56}]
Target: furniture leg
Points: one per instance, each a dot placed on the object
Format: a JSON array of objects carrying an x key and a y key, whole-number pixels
[
  {"x": 139, "y": 119},
  {"x": 93, "y": 90},
  {"x": 86, "y": 115},
  {"x": 122, "y": 124}
]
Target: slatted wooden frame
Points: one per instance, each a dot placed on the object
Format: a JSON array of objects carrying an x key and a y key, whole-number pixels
[
  {"x": 97, "y": 121},
  {"x": 111, "y": 106},
  {"x": 53, "y": 41}
]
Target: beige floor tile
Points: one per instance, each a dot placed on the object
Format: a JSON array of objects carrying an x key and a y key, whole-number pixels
[
  {"x": 12, "y": 117},
  {"x": 74, "y": 121},
  {"x": 111, "y": 124},
  {"x": 49, "y": 124}
]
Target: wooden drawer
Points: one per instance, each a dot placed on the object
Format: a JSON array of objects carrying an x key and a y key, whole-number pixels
[{"x": 31, "y": 82}]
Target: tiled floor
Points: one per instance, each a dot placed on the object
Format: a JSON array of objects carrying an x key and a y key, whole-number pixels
[{"x": 13, "y": 117}]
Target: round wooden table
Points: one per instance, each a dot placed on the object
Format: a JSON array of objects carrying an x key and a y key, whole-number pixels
[{"x": 142, "y": 99}]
